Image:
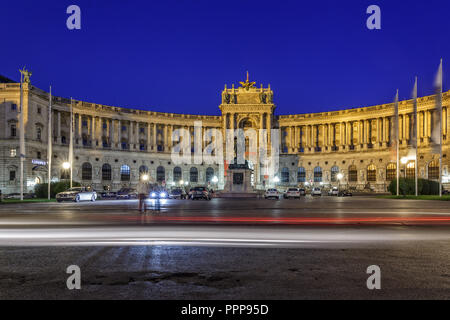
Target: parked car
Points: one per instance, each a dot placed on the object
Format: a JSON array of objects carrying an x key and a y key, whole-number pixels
[
  {"x": 345, "y": 193},
  {"x": 77, "y": 194},
  {"x": 201, "y": 193},
  {"x": 293, "y": 193},
  {"x": 126, "y": 193},
  {"x": 107, "y": 194},
  {"x": 177, "y": 193},
  {"x": 316, "y": 192},
  {"x": 302, "y": 192},
  {"x": 333, "y": 192},
  {"x": 272, "y": 193}
]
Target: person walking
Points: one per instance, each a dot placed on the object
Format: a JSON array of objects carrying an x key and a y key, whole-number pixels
[{"x": 142, "y": 190}]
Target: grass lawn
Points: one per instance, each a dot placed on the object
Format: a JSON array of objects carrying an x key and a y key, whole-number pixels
[
  {"x": 443, "y": 198},
  {"x": 6, "y": 201}
]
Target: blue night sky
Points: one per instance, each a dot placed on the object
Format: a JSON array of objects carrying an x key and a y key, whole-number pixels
[{"x": 176, "y": 56}]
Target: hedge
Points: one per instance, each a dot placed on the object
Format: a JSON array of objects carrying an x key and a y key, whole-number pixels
[
  {"x": 55, "y": 187},
  {"x": 407, "y": 187}
]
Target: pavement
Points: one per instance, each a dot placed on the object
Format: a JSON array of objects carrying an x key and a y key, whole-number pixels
[{"x": 312, "y": 248}]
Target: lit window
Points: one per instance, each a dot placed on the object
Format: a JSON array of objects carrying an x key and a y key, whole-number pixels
[{"x": 13, "y": 152}]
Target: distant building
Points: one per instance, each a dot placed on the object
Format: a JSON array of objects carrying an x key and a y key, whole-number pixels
[{"x": 113, "y": 146}]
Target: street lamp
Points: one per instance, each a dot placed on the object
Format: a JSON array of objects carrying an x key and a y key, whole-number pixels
[
  {"x": 145, "y": 177},
  {"x": 214, "y": 179},
  {"x": 339, "y": 177},
  {"x": 404, "y": 160},
  {"x": 276, "y": 179},
  {"x": 66, "y": 166},
  {"x": 181, "y": 182}
]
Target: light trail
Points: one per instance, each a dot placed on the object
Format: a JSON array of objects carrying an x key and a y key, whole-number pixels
[{"x": 219, "y": 236}]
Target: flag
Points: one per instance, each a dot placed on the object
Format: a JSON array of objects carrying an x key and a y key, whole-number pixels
[
  {"x": 394, "y": 130},
  {"x": 436, "y": 133},
  {"x": 414, "y": 133}
]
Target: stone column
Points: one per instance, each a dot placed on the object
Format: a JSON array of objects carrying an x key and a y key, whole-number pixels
[
  {"x": 165, "y": 137},
  {"x": 269, "y": 133},
  {"x": 132, "y": 135},
  {"x": 119, "y": 138},
  {"x": 155, "y": 132},
  {"x": 58, "y": 127},
  {"x": 93, "y": 132},
  {"x": 111, "y": 133},
  {"x": 149, "y": 137}
]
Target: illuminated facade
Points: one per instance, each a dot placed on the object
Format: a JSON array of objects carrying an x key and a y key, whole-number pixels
[{"x": 113, "y": 146}]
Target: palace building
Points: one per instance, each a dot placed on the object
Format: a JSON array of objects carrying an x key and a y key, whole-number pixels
[{"x": 113, "y": 146}]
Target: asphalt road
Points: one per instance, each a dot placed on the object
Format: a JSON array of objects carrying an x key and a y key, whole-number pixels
[
  {"x": 227, "y": 249},
  {"x": 306, "y": 211}
]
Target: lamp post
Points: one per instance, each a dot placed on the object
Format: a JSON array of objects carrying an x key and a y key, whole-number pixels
[
  {"x": 214, "y": 180},
  {"x": 404, "y": 161},
  {"x": 339, "y": 177},
  {"x": 66, "y": 166}
]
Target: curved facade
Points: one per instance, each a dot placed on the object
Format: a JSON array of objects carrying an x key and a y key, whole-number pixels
[{"x": 113, "y": 146}]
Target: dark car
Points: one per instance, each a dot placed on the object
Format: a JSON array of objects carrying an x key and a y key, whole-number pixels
[
  {"x": 108, "y": 194},
  {"x": 345, "y": 193},
  {"x": 200, "y": 193},
  {"x": 126, "y": 193},
  {"x": 177, "y": 193}
]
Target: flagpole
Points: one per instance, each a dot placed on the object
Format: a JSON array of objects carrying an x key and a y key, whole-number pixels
[
  {"x": 440, "y": 129},
  {"x": 22, "y": 134},
  {"x": 416, "y": 136},
  {"x": 397, "y": 143},
  {"x": 71, "y": 142},
  {"x": 49, "y": 151}
]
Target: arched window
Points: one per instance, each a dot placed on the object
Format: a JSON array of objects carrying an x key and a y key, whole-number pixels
[
  {"x": 209, "y": 174},
  {"x": 106, "y": 172},
  {"x": 177, "y": 174},
  {"x": 143, "y": 170},
  {"x": 372, "y": 173},
  {"x": 193, "y": 174},
  {"x": 301, "y": 175},
  {"x": 317, "y": 174},
  {"x": 391, "y": 171},
  {"x": 125, "y": 173},
  {"x": 334, "y": 173},
  {"x": 285, "y": 175},
  {"x": 160, "y": 174},
  {"x": 86, "y": 171},
  {"x": 410, "y": 170},
  {"x": 352, "y": 174},
  {"x": 433, "y": 170}
]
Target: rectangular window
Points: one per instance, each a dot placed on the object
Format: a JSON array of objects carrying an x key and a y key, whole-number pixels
[
  {"x": 12, "y": 175},
  {"x": 13, "y": 152},
  {"x": 38, "y": 155},
  {"x": 13, "y": 130},
  {"x": 39, "y": 110},
  {"x": 13, "y": 107}
]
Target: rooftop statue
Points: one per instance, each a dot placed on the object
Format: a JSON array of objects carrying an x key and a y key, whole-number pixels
[{"x": 247, "y": 84}]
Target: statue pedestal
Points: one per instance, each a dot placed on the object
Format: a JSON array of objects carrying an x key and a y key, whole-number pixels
[{"x": 238, "y": 184}]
